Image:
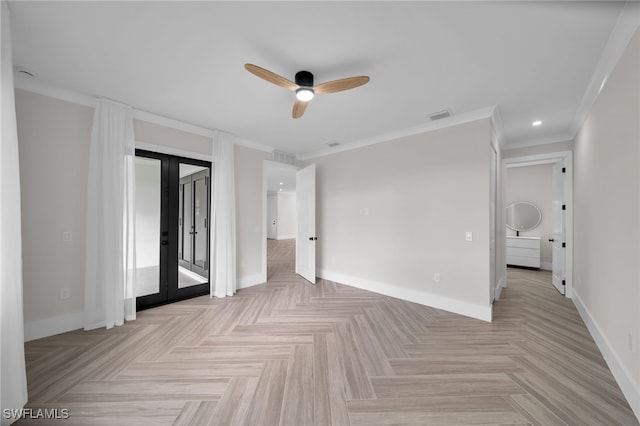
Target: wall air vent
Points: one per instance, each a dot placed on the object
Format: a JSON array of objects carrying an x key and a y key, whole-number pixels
[
  {"x": 440, "y": 115},
  {"x": 284, "y": 157}
]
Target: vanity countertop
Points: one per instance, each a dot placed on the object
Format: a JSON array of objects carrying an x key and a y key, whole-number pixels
[{"x": 523, "y": 238}]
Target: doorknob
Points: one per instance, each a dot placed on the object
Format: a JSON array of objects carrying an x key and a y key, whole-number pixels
[
  {"x": 313, "y": 238},
  {"x": 551, "y": 240}
]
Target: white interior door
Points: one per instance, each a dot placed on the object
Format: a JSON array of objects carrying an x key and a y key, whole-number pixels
[
  {"x": 306, "y": 238},
  {"x": 272, "y": 216},
  {"x": 558, "y": 239}
]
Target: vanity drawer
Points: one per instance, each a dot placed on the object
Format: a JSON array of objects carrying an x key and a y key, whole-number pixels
[
  {"x": 523, "y": 251},
  {"x": 531, "y": 243}
]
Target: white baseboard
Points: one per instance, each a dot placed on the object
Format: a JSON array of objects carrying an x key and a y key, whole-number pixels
[
  {"x": 250, "y": 281},
  {"x": 547, "y": 266},
  {"x": 629, "y": 387},
  {"x": 48, "y": 327},
  {"x": 61, "y": 324},
  {"x": 421, "y": 297},
  {"x": 286, "y": 237}
]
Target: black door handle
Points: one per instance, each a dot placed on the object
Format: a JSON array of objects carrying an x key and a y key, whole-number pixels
[
  {"x": 313, "y": 238},
  {"x": 165, "y": 243},
  {"x": 551, "y": 240}
]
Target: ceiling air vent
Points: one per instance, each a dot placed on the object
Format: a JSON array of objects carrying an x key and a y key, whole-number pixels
[
  {"x": 333, "y": 143},
  {"x": 284, "y": 157},
  {"x": 440, "y": 115}
]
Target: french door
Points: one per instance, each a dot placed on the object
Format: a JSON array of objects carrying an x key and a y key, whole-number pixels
[{"x": 172, "y": 228}]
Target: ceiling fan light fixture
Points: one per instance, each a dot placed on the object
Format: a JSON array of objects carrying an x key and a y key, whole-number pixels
[{"x": 304, "y": 94}]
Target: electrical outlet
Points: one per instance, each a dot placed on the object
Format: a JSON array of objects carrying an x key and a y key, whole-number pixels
[
  {"x": 67, "y": 236},
  {"x": 436, "y": 277},
  {"x": 65, "y": 293}
]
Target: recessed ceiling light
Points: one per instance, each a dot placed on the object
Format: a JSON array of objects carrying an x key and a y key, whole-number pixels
[
  {"x": 281, "y": 183},
  {"x": 280, "y": 189},
  {"x": 536, "y": 123}
]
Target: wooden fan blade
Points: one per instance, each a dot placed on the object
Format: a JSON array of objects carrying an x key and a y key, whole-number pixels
[
  {"x": 340, "y": 85},
  {"x": 298, "y": 109},
  {"x": 271, "y": 77}
]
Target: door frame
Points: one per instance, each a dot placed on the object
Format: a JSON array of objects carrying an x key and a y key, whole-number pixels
[
  {"x": 493, "y": 224},
  {"x": 268, "y": 165},
  {"x": 565, "y": 157}
]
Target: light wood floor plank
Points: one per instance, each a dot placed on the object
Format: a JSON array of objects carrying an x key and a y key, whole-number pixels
[
  {"x": 291, "y": 353},
  {"x": 234, "y": 405},
  {"x": 466, "y": 410},
  {"x": 298, "y": 401}
]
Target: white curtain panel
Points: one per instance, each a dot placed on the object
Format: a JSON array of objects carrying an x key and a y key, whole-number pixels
[
  {"x": 13, "y": 392},
  {"x": 110, "y": 246},
  {"x": 223, "y": 231}
]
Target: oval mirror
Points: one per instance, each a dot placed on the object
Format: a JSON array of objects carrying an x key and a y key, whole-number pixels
[{"x": 523, "y": 216}]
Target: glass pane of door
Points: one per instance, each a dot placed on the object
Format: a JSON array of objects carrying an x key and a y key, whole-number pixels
[
  {"x": 148, "y": 192},
  {"x": 187, "y": 217},
  {"x": 194, "y": 206},
  {"x": 200, "y": 222}
]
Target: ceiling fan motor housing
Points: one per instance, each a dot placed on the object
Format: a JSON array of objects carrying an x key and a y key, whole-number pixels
[{"x": 304, "y": 79}]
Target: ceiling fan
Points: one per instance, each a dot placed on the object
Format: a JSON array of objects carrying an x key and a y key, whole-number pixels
[{"x": 303, "y": 86}]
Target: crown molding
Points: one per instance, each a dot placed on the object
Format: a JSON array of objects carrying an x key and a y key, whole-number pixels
[
  {"x": 41, "y": 88},
  {"x": 496, "y": 120},
  {"x": 46, "y": 89},
  {"x": 624, "y": 30},
  {"x": 454, "y": 120}
]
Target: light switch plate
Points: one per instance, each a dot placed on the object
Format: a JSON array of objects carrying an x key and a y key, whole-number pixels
[
  {"x": 468, "y": 236},
  {"x": 65, "y": 293}
]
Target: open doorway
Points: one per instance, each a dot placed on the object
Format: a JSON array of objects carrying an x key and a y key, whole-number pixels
[
  {"x": 538, "y": 206},
  {"x": 281, "y": 217}
]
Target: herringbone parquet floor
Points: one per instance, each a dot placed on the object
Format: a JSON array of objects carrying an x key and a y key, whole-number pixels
[{"x": 291, "y": 353}]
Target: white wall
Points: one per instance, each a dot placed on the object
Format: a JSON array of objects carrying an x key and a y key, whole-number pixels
[
  {"x": 391, "y": 215},
  {"x": 607, "y": 222},
  {"x": 533, "y": 184},
  {"x": 53, "y": 137},
  {"x": 287, "y": 215},
  {"x": 249, "y": 217}
]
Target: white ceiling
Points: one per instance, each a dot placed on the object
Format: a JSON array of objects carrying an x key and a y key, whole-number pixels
[{"x": 184, "y": 60}]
